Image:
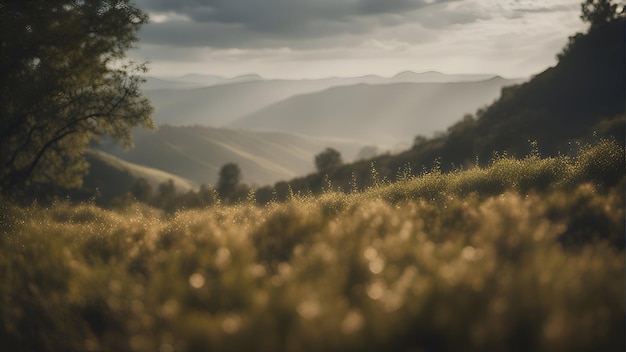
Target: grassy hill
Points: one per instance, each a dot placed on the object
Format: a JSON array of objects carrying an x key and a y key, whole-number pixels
[
  {"x": 113, "y": 177},
  {"x": 381, "y": 113},
  {"x": 197, "y": 153},
  {"x": 523, "y": 255}
]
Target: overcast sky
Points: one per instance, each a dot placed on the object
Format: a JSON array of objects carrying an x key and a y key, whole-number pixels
[{"x": 322, "y": 38}]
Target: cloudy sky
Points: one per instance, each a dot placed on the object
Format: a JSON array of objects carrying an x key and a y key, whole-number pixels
[{"x": 322, "y": 38}]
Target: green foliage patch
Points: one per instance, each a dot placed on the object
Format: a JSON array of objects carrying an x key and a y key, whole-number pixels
[{"x": 522, "y": 255}]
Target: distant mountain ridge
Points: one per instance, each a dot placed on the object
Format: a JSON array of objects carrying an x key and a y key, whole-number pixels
[
  {"x": 220, "y": 102},
  {"x": 380, "y": 113},
  {"x": 191, "y": 81}
]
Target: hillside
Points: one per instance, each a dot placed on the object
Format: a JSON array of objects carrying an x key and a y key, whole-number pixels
[
  {"x": 221, "y": 104},
  {"x": 382, "y": 113},
  {"x": 112, "y": 176},
  {"x": 584, "y": 94},
  {"x": 579, "y": 100},
  {"x": 221, "y": 101},
  {"x": 197, "y": 153}
]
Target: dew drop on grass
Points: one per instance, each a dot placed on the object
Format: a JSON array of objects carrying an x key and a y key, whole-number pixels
[
  {"x": 308, "y": 309},
  {"x": 284, "y": 269},
  {"x": 170, "y": 308},
  {"x": 468, "y": 253},
  {"x": 370, "y": 253},
  {"x": 375, "y": 291},
  {"x": 196, "y": 280},
  {"x": 231, "y": 324},
  {"x": 393, "y": 302},
  {"x": 222, "y": 259},
  {"x": 405, "y": 231},
  {"x": 376, "y": 265},
  {"x": 257, "y": 270},
  {"x": 352, "y": 322}
]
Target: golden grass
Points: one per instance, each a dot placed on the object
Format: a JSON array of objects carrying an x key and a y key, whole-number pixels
[{"x": 523, "y": 255}]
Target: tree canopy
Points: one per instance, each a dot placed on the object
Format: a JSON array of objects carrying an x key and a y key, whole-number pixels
[
  {"x": 328, "y": 159},
  {"x": 599, "y": 12},
  {"x": 230, "y": 176},
  {"x": 65, "y": 82}
]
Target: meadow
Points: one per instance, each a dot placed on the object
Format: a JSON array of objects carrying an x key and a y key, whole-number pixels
[{"x": 521, "y": 255}]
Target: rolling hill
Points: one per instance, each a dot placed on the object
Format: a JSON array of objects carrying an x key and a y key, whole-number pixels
[
  {"x": 221, "y": 104},
  {"x": 113, "y": 176},
  {"x": 197, "y": 153},
  {"x": 381, "y": 113}
]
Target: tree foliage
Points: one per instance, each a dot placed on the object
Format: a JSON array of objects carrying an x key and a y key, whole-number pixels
[
  {"x": 230, "y": 176},
  {"x": 65, "y": 82},
  {"x": 600, "y": 12},
  {"x": 141, "y": 190},
  {"x": 328, "y": 159}
]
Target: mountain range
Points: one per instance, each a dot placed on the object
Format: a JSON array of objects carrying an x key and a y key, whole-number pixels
[
  {"x": 381, "y": 113},
  {"x": 230, "y": 102},
  {"x": 274, "y": 128}
]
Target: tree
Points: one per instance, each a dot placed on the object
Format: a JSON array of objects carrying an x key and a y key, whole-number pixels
[
  {"x": 167, "y": 189},
  {"x": 141, "y": 190},
  {"x": 419, "y": 141},
  {"x": 599, "y": 12},
  {"x": 229, "y": 178},
  {"x": 327, "y": 160},
  {"x": 65, "y": 82}
]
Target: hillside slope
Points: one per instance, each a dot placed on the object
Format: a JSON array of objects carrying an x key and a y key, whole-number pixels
[
  {"x": 197, "y": 153},
  {"x": 221, "y": 104},
  {"x": 112, "y": 176},
  {"x": 385, "y": 113},
  {"x": 579, "y": 100},
  {"x": 567, "y": 101}
]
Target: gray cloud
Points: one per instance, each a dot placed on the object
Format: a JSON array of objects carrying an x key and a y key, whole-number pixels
[
  {"x": 521, "y": 11},
  {"x": 315, "y": 38},
  {"x": 276, "y": 23}
]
